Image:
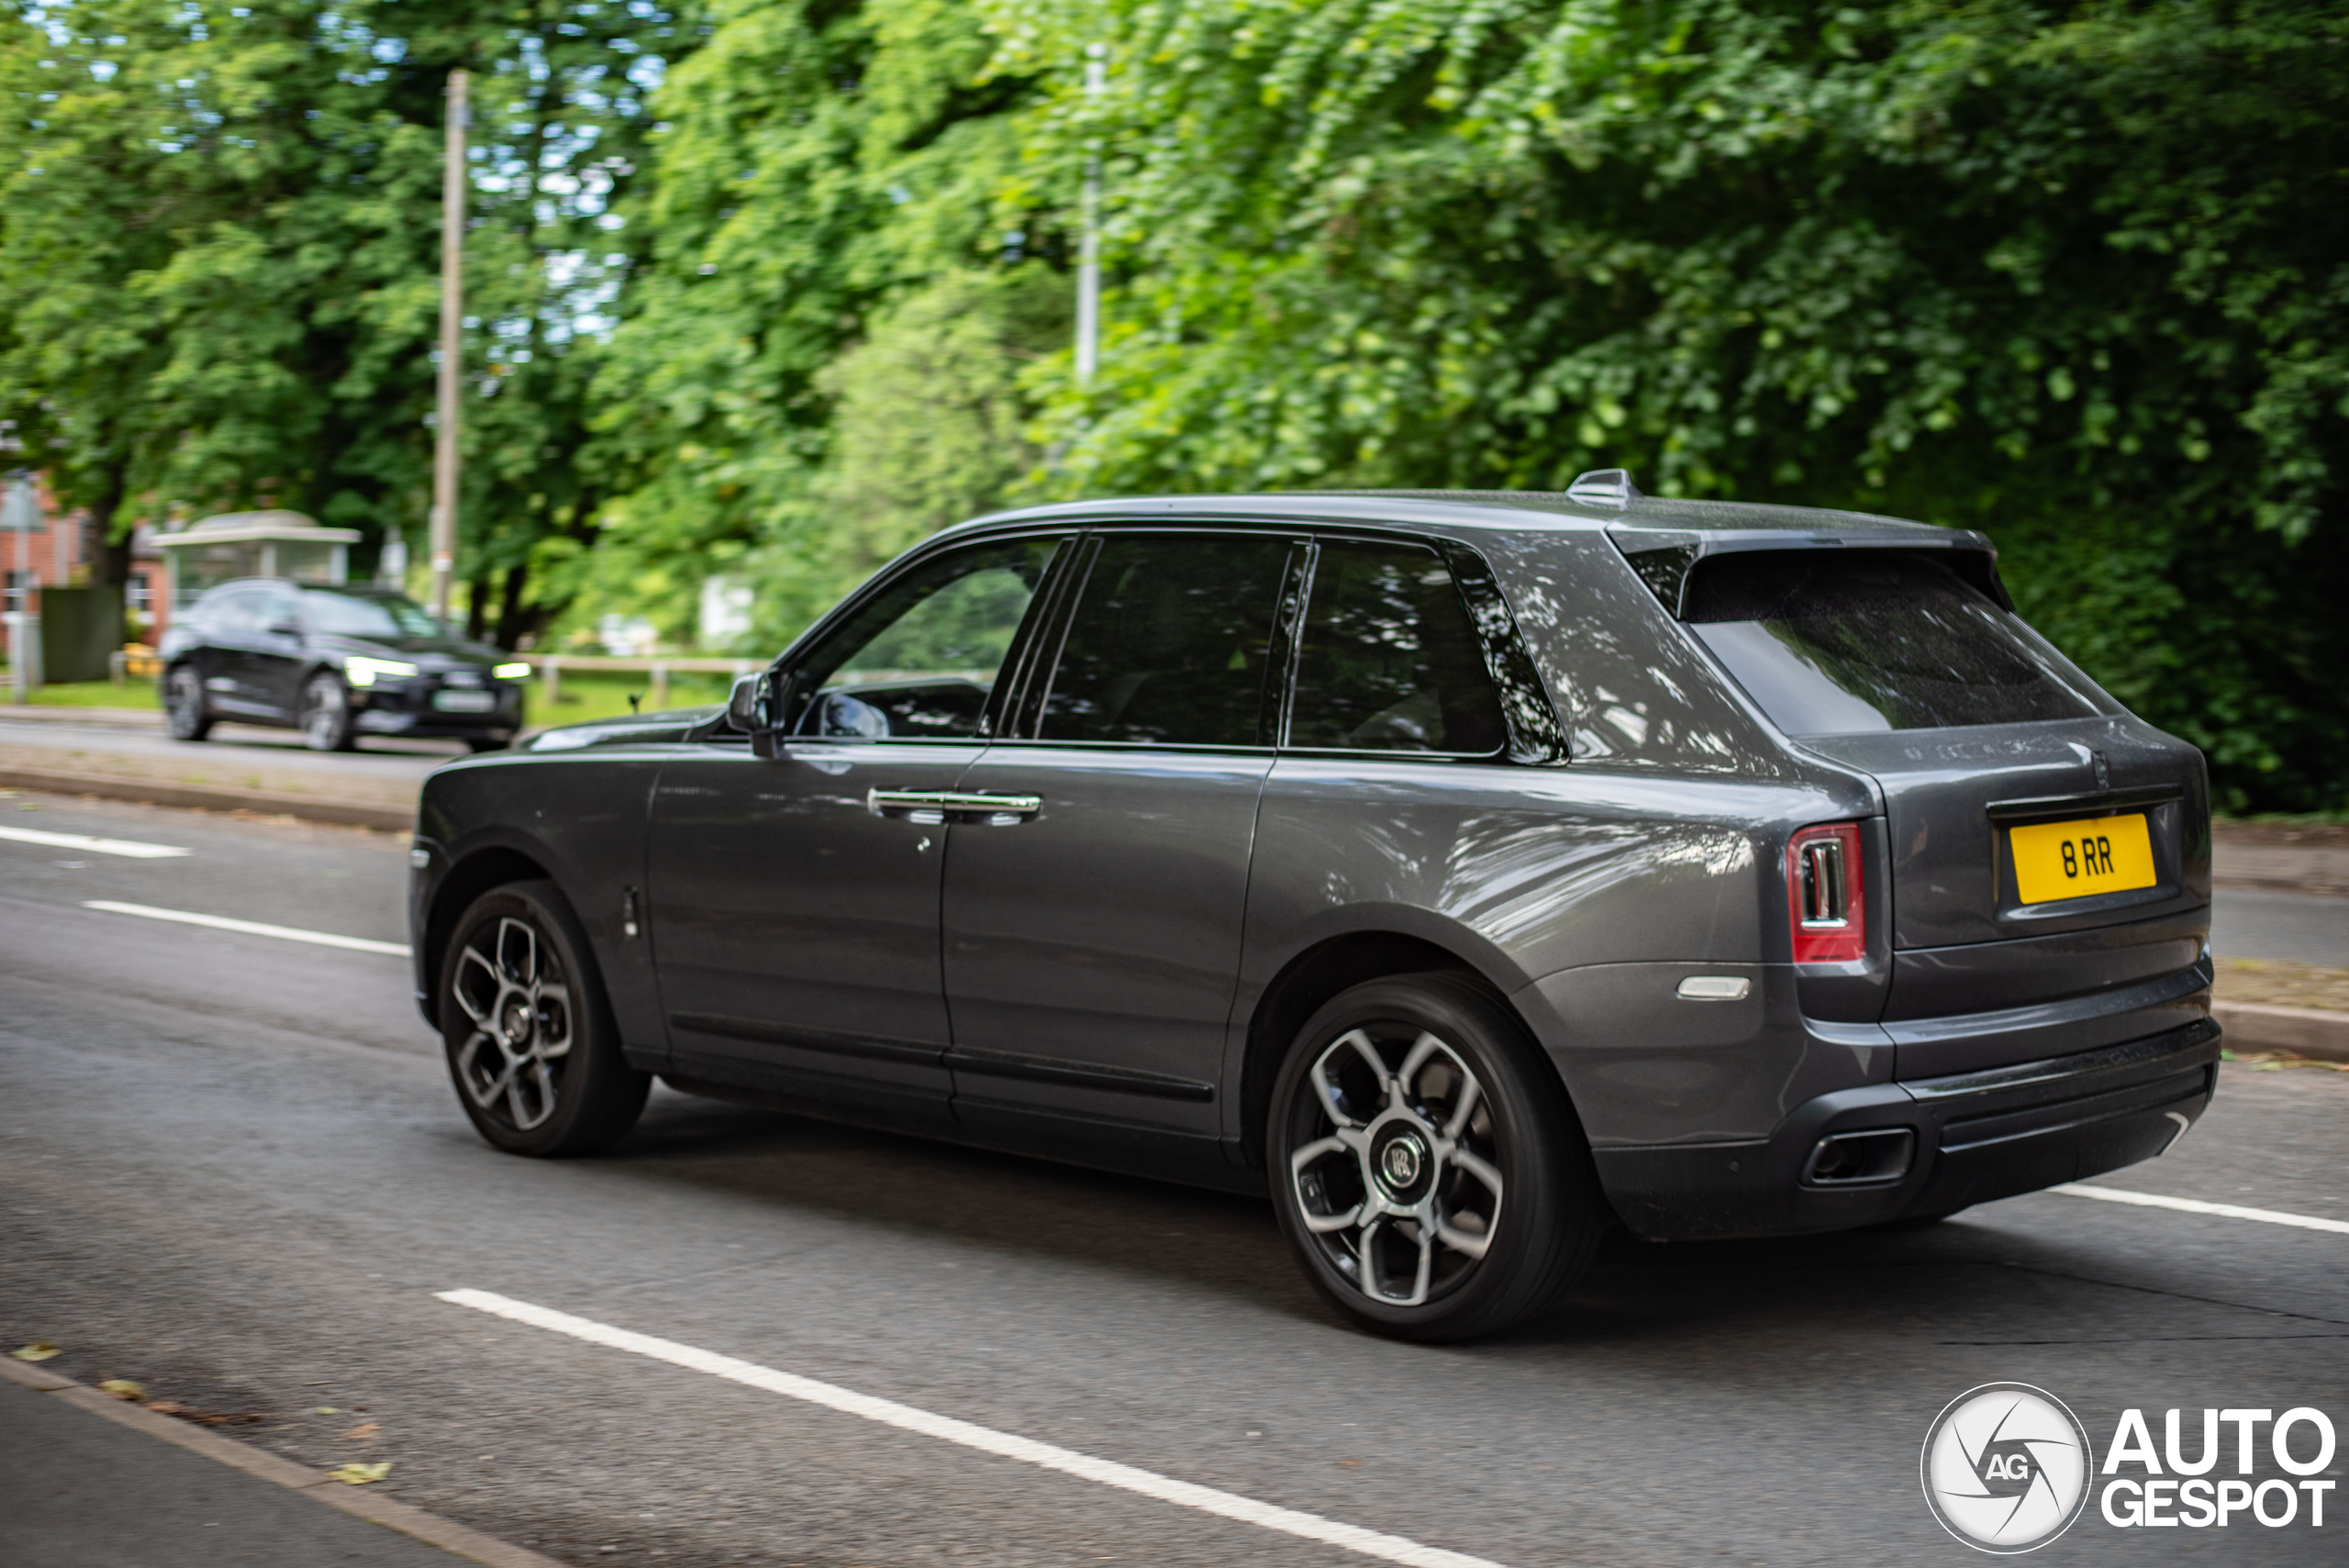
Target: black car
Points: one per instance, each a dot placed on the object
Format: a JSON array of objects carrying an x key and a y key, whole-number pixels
[
  {"x": 335, "y": 662},
  {"x": 1467, "y": 872}
]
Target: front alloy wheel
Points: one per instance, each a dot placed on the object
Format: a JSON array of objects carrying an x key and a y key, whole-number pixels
[
  {"x": 1425, "y": 1164},
  {"x": 530, "y": 1039},
  {"x": 511, "y": 985},
  {"x": 325, "y": 716}
]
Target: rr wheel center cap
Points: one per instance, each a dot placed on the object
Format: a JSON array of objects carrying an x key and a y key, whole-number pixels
[
  {"x": 1402, "y": 1164},
  {"x": 516, "y": 1023}
]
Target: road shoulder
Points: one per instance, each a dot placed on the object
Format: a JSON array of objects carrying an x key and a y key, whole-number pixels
[{"x": 64, "y": 1487}]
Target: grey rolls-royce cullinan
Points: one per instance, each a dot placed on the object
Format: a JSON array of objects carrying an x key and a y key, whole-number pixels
[{"x": 1467, "y": 871}]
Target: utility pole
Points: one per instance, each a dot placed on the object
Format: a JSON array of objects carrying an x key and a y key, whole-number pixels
[
  {"x": 1089, "y": 264},
  {"x": 453, "y": 323}
]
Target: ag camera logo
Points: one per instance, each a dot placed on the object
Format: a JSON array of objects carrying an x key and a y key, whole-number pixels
[{"x": 2007, "y": 1467}]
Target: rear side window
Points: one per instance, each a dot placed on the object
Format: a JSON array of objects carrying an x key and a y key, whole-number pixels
[
  {"x": 1169, "y": 643},
  {"x": 1837, "y": 643},
  {"x": 1390, "y": 661}
]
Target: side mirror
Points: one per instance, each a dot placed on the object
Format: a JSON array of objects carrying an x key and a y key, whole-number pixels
[
  {"x": 286, "y": 628},
  {"x": 754, "y": 707}
]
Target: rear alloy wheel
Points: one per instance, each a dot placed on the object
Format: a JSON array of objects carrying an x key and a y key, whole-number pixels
[
  {"x": 1426, "y": 1165},
  {"x": 187, "y": 715},
  {"x": 325, "y": 716},
  {"x": 530, "y": 1042}
]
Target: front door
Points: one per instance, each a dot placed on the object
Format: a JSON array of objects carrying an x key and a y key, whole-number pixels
[
  {"x": 793, "y": 900},
  {"x": 1092, "y": 945}
]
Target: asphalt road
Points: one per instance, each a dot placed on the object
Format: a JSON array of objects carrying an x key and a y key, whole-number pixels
[{"x": 231, "y": 1168}]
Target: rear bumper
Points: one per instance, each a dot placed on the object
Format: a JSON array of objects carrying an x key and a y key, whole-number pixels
[{"x": 1974, "y": 1137}]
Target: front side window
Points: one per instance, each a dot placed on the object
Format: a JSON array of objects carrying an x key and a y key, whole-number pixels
[
  {"x": 1169, "y": 643},
  {"x": 1841, "y": 643},
  {"x": 920, "y": 661},
  {"x": 1390, "y": 660},
  {"x": 383, "y": 617}
]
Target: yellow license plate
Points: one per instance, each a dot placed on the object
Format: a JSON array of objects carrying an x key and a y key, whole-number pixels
[{"x": 2075, "y": 859}]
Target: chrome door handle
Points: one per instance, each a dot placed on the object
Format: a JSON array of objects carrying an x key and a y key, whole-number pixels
[{"x": 930, "y": 807}]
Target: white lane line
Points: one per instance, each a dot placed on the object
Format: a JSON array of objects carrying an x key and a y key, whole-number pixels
[
  {"x": 2196, "y": 1205},
  {"x": 1206, "y": 1499},
  {"x": 250, "y": 928},
  {"x": 131, "y": 847}
]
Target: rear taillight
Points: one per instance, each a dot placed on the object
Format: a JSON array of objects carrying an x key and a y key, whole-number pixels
[{"x": 1826, "y": 904}]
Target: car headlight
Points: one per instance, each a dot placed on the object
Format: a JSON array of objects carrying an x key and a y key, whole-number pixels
[
  {"x": 362, "y": 672},
  {"x": 518, "y": 671}
]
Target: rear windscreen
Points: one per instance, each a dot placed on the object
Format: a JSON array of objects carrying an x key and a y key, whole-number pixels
[{"x": 1836, "y": 643}]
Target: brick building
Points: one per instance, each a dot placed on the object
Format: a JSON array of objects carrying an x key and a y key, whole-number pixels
[{"x": 42, "y": 546}]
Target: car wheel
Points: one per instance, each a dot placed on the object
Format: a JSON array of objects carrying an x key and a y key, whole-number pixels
[
  {"x": 530, "y": 1039},
  {"x": 324, "y": 715},
  {"x": 186, "y": 713},
  {"x": 477, "y": 745},
  {"x": 1427, "y": 1167}
]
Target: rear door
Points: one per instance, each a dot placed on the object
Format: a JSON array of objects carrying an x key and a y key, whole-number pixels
[
  {"x": 1093, "y": 920},
  {"x": 235, "y": 629},
  {"x": 274, "y": 663}
]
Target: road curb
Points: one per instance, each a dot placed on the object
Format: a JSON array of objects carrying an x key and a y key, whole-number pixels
[
  {"x": 113, "y": 717},
  {"x": 211, "y": 797},
  {"x": 430, "y": 1529},
  {"x": 2303, "y": 1031}
]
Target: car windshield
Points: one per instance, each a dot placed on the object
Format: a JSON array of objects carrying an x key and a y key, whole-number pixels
[
  {"x": 342, "y": 613},
  {"x": 1839, "y": 644}
]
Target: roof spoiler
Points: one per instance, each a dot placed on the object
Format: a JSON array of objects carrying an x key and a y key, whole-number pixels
[{"x": 1666, "y": 558}]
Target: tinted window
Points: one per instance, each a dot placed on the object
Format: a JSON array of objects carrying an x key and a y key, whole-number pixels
[
  {"x": 1835, "y": 644},
  {"x": 234, "y": 610},
  {"x": 1390, "y": 661},
  {"x": 386, "y": 615},
  {"x": 920, "y": 661},
  {"x": 1170, "y": 641}
]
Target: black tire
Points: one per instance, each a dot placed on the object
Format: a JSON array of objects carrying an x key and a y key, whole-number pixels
[
  {"x": 1536, "y": 1231},
  {"x": 519, "y": 977},
  {"x": 477, "y": 745},
  {"x": 187, "y": 712},
  {"x": 325, "y": 717}
]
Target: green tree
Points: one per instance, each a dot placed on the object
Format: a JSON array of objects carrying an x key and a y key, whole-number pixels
[
  {"x": 818, "y": 365},
  {"x": 2074, "y": 272},
  {"x": 219, "y": 256}
]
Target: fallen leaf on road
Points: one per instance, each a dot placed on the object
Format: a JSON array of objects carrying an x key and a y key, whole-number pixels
[
  {"x": 1351, "y": 1464},
  {"x": 365, "y": 1430},
  {"x": 359, "y": 1474},
  {"x": 122, "y": 1388},
  {"x": 168, "y": 1407},
  {"x": 38, "y": 1350},
  {"x": 326, "y": 1410}
]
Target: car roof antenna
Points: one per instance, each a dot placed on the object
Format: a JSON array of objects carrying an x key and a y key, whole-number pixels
[{"x": 1604, "y": 487}]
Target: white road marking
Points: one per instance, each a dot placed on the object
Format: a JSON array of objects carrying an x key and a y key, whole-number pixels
[
  {"x": 129, "y": 847},
  {"x": 1185, "y": 1493},
  {"x": 2196, "y": 1205},
  {"x": 250, "y": 928}
]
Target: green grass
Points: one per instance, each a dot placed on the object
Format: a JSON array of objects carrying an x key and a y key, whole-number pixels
[
  {"x": 600, "y": 695},
  {"x": 136, "y": 692},
  {"x": 585, "y": 695}
]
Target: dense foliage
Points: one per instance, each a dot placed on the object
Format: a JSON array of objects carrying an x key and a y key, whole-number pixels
[
  {"x": 2077, "y": 273},
  {"x": 219, "y": 234}
]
